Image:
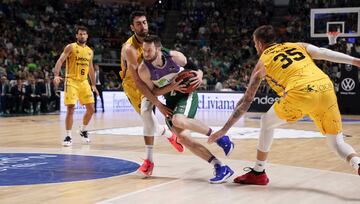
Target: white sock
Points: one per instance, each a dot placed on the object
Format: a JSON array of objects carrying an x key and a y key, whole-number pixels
[
  {"x": 213, "y": 161},
  {"x": 149, "y": 152},
  {"x": 82, "y": 127},
  {"x": 68, "y": 133},
  {"x": 166, "y": 132},
  {"x": 260, "y": 166},
  {"x": 354, "y": 162}
]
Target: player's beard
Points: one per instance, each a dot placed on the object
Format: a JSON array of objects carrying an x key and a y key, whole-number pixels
[
  {"x": 152, "y": 59},
  {"x": 81, "y": 41},
  {"x": 142, "y": 33}
]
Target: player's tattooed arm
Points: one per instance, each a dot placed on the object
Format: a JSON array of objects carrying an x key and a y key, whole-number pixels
[{"x": 244, "y": 103}]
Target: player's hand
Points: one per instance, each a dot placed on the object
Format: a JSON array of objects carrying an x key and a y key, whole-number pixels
[
  {"x": 177, "y": 86},
  {"x": 217, "y": 135},
  {"x": 94, "y": 89},
  {"x": 197, "y": 80},
  {"x": 57, "y": 80},
  {"x": 166, "y": 111}
]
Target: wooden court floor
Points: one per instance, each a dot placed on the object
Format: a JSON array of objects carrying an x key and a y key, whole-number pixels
[{"x": 300, "y": 170}]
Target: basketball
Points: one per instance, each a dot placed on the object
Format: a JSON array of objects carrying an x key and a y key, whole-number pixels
[{"x": 186, "y": 75}]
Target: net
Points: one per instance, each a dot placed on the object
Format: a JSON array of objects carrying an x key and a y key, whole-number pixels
[{"x": 332, "y": 36}]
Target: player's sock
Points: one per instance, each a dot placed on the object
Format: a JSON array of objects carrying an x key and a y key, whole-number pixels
[
  {"x": 166, "y": 132},
  {"x": 149, "y": 151},
  {"x": 259, "y": 166},
  {"x": 213, "y": 161},
  {"x": 209, "y": 132},
  {"x": 82, "y": 127},
  {"x": 354, "y": 162},
  {"x": 68, "y": 133}
]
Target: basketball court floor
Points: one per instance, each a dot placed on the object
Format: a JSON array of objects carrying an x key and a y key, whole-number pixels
[{"x": 35, "y": 168}]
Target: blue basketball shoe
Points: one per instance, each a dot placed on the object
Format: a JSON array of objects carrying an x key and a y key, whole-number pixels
[
  {"x": 221, "y": 174},
  {"x": 226, "y": 144}
]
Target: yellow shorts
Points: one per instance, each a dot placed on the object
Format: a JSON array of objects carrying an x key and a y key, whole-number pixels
[
  {"x": 318, "y": 100},
  {"x": 78, "y": 90},
  {"x": 133, "y": 93}
]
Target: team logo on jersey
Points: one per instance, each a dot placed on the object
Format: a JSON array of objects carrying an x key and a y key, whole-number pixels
[{"x": 348, "y": 84}]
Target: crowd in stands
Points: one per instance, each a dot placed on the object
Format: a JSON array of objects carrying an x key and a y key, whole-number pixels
[
  {"x": 215, "y": 34},
  {"x": 34, "y": 33}
]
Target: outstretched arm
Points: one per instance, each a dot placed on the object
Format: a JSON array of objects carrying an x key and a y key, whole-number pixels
[
  {"x": 330, "y": 55},
  {"x": 244, "y": 103}
]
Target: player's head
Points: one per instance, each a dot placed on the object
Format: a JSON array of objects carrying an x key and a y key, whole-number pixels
[
  {"x": 263, "y": 37},
  {"x": 138, "y": 23},
  {"x": 151, "y": 47},
  {"x": 81, "y": 34}
]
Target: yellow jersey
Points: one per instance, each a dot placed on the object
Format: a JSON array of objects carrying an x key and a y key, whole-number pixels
[
  {"x": 133, "y": 41},
  {"x": 78, "y": 62},
  {"x": 288, "y": 66}
]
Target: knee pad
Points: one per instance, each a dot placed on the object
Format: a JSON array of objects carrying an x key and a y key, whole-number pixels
[
  {"x": 268, "y": 122},
  {"x": 339, "y": 146},
  {"x": 148, "y": 117}
]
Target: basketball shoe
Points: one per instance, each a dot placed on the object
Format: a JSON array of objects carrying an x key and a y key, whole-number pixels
[
  {"x": 173, "y": 141},
  {"x": 85, "y": 136},
  {"x": 221, "y": 173},
  {"x": 226, "y": 144},
  {"x": 67, "y": 141},
  {"x": 252, "y": 177},
  {"x": 146, "y": 168}
]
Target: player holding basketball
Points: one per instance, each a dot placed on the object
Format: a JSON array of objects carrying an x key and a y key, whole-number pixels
[
  {"x": 131, "y": 56},
  {"x": 159, "y": 70},
  {"x": 79, "y": 63},
  {"x": 304, "y": 89}
]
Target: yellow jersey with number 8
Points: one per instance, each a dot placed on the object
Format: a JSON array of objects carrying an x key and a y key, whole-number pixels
[
  {"x": 289, "y": 66},
  {"x": 78, "y": 62}
]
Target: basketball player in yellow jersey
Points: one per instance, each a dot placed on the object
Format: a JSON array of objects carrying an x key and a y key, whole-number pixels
[
  {"x": 304, "y": 90},
  {"x": 139, "y": 94},
  {"x": 78, "y": 57}
]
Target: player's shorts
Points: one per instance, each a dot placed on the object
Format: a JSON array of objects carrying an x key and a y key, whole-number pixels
[
  {"x": 133, "y": 93},
  {"x": 78, "y": 90},
  {"x": 184, "y": 104},
  {"x": 318, "y": 100}
]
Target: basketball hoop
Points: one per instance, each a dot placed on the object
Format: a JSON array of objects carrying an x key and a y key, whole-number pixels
[{"x": 332, "y": 37}]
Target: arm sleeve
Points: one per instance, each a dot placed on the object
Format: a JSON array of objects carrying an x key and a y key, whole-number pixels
[{"x": 328, "y": 55}]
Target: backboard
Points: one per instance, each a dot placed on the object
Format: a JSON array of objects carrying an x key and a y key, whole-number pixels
[{"x": 344, "y": 20}]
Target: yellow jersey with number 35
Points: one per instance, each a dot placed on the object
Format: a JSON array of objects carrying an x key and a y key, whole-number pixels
[
  {"x": 288, "y": 66},
  {"x": 78, "y": 62}
]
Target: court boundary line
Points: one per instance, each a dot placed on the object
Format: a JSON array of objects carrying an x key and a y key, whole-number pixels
[{"x": 136, "y": 192}]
